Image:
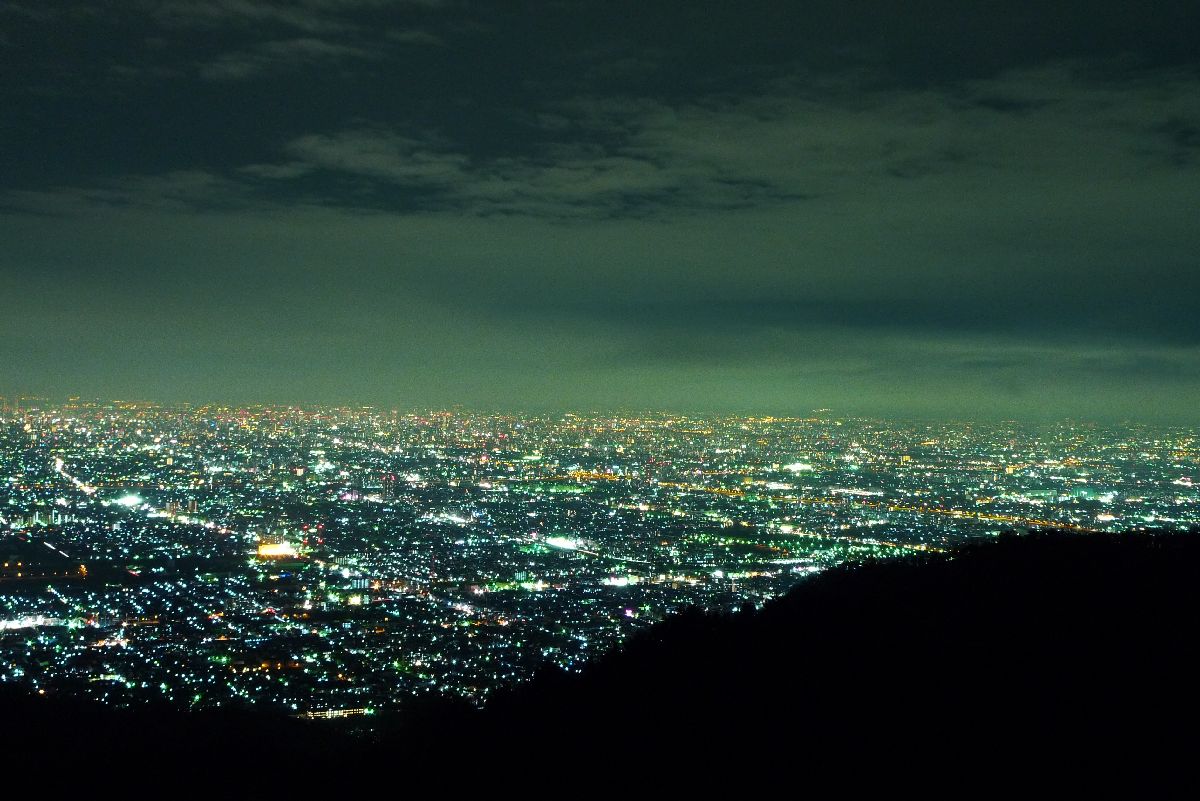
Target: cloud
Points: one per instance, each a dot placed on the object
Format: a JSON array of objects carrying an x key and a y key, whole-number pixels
[
  {"x": 622, "y": 201},
  {"x": 415, "y": 36},
  {"x": 279, "y": 55},
  {"x": 309, "y": 16},
  {"x": 1053, "y": 130},
  {"x": 379, "y": 154},
  {"x": 176, "y": 191},
  {"x": 294, "y": 169}
]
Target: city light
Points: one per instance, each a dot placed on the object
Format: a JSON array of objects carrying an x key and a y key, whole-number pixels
[
  {"x": 327, "y": 561},
  {"x": 275, "y": 550}
]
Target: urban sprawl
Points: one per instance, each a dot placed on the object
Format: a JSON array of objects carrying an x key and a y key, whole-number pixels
[{"x": 334, "y": 562}]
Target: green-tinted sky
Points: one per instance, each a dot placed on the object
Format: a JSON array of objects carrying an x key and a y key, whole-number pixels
[{"x": 936, "y": 208}]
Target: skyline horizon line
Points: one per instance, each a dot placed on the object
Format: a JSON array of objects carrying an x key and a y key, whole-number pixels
[{"x": 745, "y": 413}]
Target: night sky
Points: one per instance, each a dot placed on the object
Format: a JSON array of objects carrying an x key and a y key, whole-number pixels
[{"x": 957, "y": 209}]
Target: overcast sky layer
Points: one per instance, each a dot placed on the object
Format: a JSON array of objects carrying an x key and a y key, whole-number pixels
[{"x": 958, "y": 209}]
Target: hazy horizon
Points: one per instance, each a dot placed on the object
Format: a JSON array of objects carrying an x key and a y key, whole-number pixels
[{"x": 616, "y": 410}]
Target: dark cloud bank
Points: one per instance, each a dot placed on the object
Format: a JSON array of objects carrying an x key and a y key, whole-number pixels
[{"x": 956, "y": 209}]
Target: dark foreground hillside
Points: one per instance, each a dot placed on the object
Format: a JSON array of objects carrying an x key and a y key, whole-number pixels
[
  {"x": 1074, "y": 651},
  {"x": 1063, "y": 653}
]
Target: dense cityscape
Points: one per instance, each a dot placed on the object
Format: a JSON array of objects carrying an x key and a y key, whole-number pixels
[{"x": 335, "y": 562}]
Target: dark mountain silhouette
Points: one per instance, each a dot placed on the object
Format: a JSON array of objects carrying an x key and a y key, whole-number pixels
[
  {"x": 1060, "y": 656},
  {"x": 1051, "y": 652}
]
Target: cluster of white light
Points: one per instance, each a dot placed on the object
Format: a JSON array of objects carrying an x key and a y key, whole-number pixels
[
  {"x": 29, "y": 622},
  {"x": 563, "y": 543}
]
